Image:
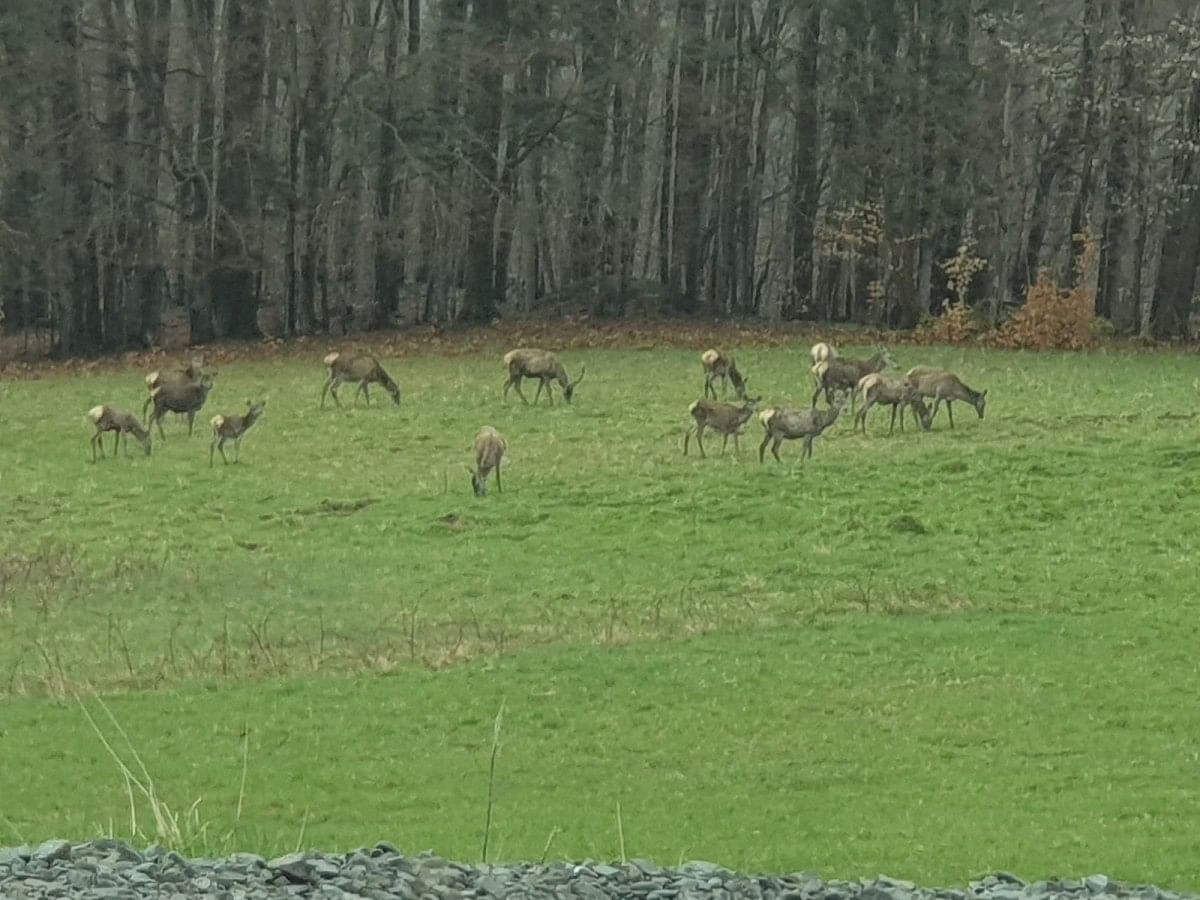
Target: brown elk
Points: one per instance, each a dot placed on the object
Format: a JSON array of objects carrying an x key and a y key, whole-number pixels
[
  {"x": 179, "y": 397},
  {"x": 189, "y": 374},
  {"x": 894, "y": 392},
  {"x": 529, "y": 362},
  {"x": 844, "y": 374},
  {"x": 721, "y": 365},
  {"x": 791, "y": 424},
  {"x": 490, "y": 448},
  {"x": 945, "y": 387},
  {"x": 361, "y": 368},
  {"x": 234, "y": 428},
  {"x": 109, "y": 418},
  {"x": 724, "y": 418}
]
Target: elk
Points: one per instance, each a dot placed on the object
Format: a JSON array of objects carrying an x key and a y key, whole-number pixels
[
  {"x": 108, "y": 418},
  {"x": 189, "y": 374},
  {"x": 489, "y": 447},
  {"x": 225, "y": 428},
  {"x": 945, "y": 387},
  {"x": 822, "y": 352},
  {"x": 721, "y": 365},
  {"x": 186, "y": 398},
  {"x": 724, "y": 418},
  {"x": 845, "y": 374},
  {"x": 529, "y": 362},
  {"x": 359, "y": 367},
  {"x": 790, "y": 424},
  {"x": 894, "y": 392}
]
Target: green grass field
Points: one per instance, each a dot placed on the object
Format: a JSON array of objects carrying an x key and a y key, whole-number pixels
[{"x": 930, "y": 655}]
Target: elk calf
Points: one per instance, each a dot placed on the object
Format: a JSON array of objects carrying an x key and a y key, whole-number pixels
[
  {"x": 724, "y": 418},
  {"x": 791, "y": 424},
  {"x": 721, "y": 365},
  {"x": 361, "y": 368},
  {"x": 529, "y": 362},
  {"x": 946, "y": 387},
  {"x": 894, "y": 392},
  {"x": 490, "y": 447},
  {"x": 186, "y": 398},
  {"x": 109, "y": 418},
  {"x": 233, "y": 428},
  {"x": 845, "y": 374}
]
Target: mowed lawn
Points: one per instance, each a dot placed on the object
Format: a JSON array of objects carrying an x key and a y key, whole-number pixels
[{"x": 931, "y": 655}]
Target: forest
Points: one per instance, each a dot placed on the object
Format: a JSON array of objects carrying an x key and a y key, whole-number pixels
[{"x": 304, "y": 166}]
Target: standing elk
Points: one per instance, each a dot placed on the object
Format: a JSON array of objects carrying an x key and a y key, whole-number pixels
[
  {"x": 791, "y": 424},
  {"x": 721, "y": 365},
  {"x": 490, "y": 448},
  {"x": 186, "y": 398},
  {"x": 234, "y": 428},
  {"x": 529, "y": 362},
  {"x": 945, "y": 387},
  {"x": 724, "y": 418},
  {"x": 845, "y": 374},
  {"x": 189, "y": 374},
  {"x": 109, "y": 418},
  {"x": 894, "y": 392},
  {"x": 361, "y": 368}
]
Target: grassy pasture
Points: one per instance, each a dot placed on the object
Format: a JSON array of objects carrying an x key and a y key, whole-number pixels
[{"x": 929, "y": 655}]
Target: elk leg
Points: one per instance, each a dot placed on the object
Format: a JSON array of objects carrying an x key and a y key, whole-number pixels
[
  {"x": 498, "y": 488},
  {"x": 549, "y": 385},
  {"x": 817, "y": 393},
  {"x": 762, "y": 448},
  {"x": 708, "y": 388},
  {"x": 895, "y": 409},
  {"x": 538, "y": 393},
  {"x": 775, "y": 449},
  {"x": 145, "y": 408},
  {"x": 221, "y": 450},
  {"x": 158, "y": 417},
  {"x": 333, "y": 386},
  {"x": 366, "y": 394},
  {"x": 724, "y": 442},
  {"x": 700, "y": 440},
  {"x": 325, "y": 390},
  {"x": 807, "y": 451},
  {"x": 950, "y": 412},
  {"x": 191, "y": 422},
  {"x": 96, "y": 437}
]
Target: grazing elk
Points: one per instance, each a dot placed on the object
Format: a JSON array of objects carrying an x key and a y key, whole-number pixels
[
  {"x": 894, "y": 392},
  {"x": 361, "y": 368},
  {"x": 724, "y": 418},
  {"x": 845, "y": 374},
  {"x": 721, "y": 365},
  {"x": 225, "y": 428},
  {"x": 109, "y": 418},
  {"x": 791, "y": 424},
  {"x": 189, "y": 374},
  {"x": 179, "y": 397},
  {"x": 946, "y": 387},
  {"x": 529, "y": 362},
  {"x": 489, "y": 447}
]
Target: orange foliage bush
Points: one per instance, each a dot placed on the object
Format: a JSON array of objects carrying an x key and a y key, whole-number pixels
[
  {"x": 1055, "y": 318},
  {"x": 956, "y": 325}
]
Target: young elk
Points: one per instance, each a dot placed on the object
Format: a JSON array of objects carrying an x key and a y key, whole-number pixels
[
  {"x": 946, "y": 387},
  {"x": 186, "y": 398},
  {"x": 359, "y": 367},
  {"x": 189, "y": 374},
  {"x": 489, "y": 451},
  {"x": 721, "y": 365},
  {"x": 108, "y": 418},
  {"x": 845, "y": 374},
  {"x": 790, "y": 424},
  {"x": 529, "y": 362},
  {"x": 225, "y": 428},
  {"x": 724, "y": 418},
  {"x": 894, "y": 392}
]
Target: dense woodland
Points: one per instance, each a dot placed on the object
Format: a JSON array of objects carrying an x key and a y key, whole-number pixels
[{"x": 325, "y": 164}]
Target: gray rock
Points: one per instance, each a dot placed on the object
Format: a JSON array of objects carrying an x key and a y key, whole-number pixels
[
  {"x": 53, "y": 850},
  {"x": 1097, "y": 883}
]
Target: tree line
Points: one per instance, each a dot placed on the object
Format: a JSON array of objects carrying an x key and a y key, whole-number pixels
[{"x": 460, "y": 160}]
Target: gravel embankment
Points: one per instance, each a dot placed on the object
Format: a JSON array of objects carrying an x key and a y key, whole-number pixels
[{"x": 110, "y": 870}]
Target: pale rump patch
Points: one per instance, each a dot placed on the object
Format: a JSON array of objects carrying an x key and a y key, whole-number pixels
[
  {"x": 822, "y": 351},
  {"x": 331, "y": 358},
  {"x": 509, "y": 357},
  {"x": 217, "y": 422},
  {"x": 765, "y": 417},
  {"x": 868, "y": 381},
  {"x": 151, "y": 379},
  {"x": 709, "y": 358},
  {"x": 692, "y": 408},
  {"x": 96, "y": 413}
]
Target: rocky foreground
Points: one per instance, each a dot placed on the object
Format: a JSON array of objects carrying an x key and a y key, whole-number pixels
[{"x": 111, "y": 870}]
